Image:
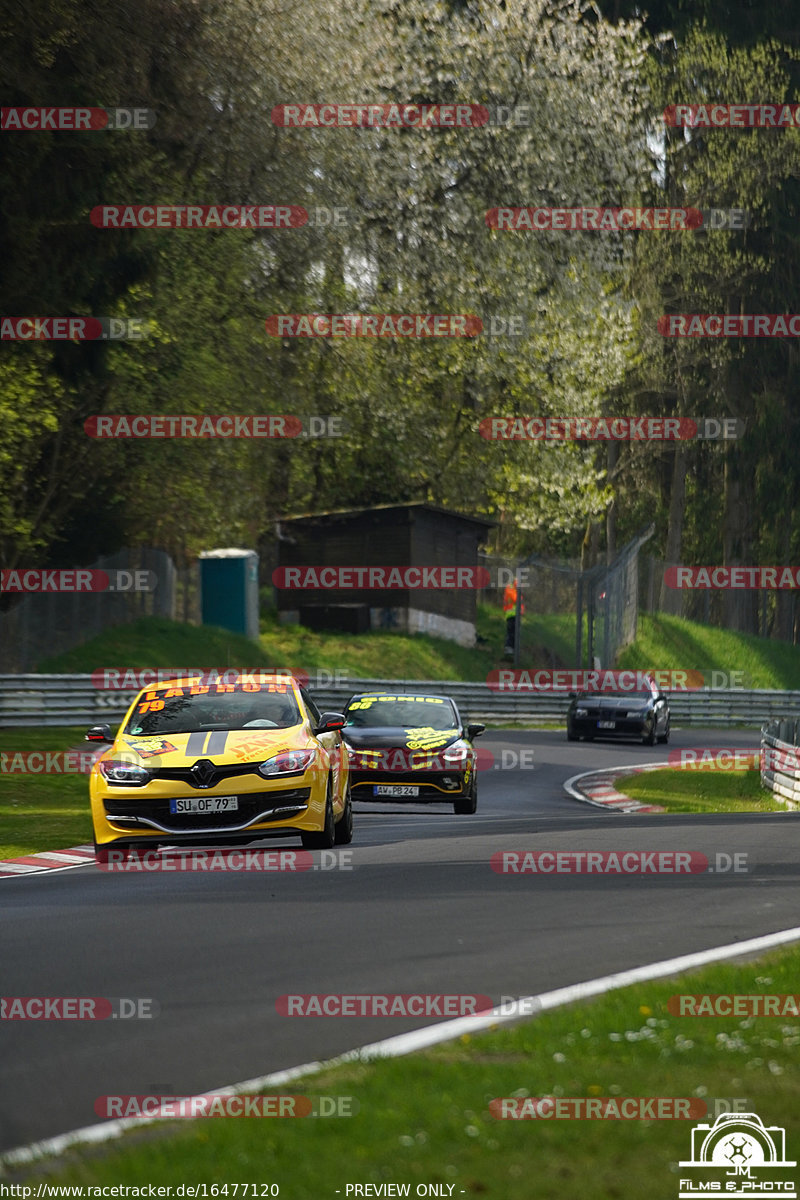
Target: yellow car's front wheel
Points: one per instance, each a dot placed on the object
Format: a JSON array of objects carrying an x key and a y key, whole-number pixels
[
  {"x": 321, "y": 839},
  {"x": 344, "y": 826}
]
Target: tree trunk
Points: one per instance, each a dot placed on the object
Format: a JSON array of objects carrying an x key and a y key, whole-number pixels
[
  {"x": 784, "y": 599},
  {"x": 611, "y": 512},
  {"x": 590, "y": 545},
  {"x": 671, "y": 599},
  {"x": 740, "y": 608}
]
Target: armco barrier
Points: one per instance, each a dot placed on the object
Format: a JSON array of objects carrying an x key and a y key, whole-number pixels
[
  {"x": 781, "y": 776},
  {"x": 73, "y": 700}
]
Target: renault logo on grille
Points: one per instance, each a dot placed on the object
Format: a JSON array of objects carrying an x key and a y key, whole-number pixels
[{"x": 204, "y": 773}]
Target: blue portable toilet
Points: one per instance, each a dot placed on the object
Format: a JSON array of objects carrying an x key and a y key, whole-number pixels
[{"x": 229, "y": 590}]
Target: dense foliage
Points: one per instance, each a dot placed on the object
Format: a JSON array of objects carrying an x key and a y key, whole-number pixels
[{"x": 412, "y": 238}]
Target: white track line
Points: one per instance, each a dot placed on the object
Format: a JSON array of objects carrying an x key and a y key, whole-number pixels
[
  {"x": 419, "y": 1039},
  {"x": 40, "y": 872}
]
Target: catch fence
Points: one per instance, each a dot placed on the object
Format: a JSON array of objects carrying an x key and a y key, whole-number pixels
[
  {"x": 39, "y": 625},
  {"x": 569, "y": 617}
]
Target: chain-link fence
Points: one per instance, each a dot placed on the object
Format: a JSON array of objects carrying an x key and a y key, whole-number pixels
[
  {"x": 565, "y": 616},
  {"x": 612, "y": 603},
  {"x": 42, "y": 624},
  {"x": 548, "y": 601}
]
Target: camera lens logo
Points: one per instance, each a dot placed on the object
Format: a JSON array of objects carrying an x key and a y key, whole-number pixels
[
  {"x": 742, "y": 1150},
  {"x": 741, "y": 1147}
]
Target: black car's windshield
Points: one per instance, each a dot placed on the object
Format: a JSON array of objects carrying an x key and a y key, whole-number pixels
[
  {"x": 403, "y": 712},
  {"x": 637, "y": 696},
  {"x": 192, "y": 707}
]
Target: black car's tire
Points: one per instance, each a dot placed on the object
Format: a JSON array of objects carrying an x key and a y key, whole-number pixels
[
  {"x": 649, "y": 736},
  {"x": 572, "y": 736},
  {"x": 321, "y": 839},
  {"x": 469, "y": 803},
  {"x": 664, "y": 738},
  {"x": 344, "y": 826}
]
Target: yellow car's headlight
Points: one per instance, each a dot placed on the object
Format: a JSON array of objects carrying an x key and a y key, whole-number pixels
[
  {"x": 123, "y": 774},
  {"x": 288, "y": 762}
]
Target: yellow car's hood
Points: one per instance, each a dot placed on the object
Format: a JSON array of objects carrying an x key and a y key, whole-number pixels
[{"x": 221, "y": 746}]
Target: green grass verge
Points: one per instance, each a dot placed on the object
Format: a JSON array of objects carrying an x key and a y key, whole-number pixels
[
  {"x": 47, "y": 811},
  {"x": 425, "y": 1118},
  {"x": 700, "y": 791},
  {"x": 666, "y": 643},
  {"x": 158, "y": 642},
  {"x": 670, "y": 643}
]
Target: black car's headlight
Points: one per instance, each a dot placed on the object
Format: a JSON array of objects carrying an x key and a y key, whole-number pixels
[
  {"x": 288, "y": 762},
  {"x": 637, "y": 712},
  {"x": 581, "y": 712},
  {"x": 456, "y": 755},
  {"x": 123, "y": 774}
]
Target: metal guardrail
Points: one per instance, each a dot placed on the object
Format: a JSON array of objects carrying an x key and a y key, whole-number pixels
[
  {"x": 780, "y": 761},
  {"x": 74, "y": 700}
]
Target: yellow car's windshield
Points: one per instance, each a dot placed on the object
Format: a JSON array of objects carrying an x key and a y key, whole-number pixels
[{"x": 194, "y": 707}]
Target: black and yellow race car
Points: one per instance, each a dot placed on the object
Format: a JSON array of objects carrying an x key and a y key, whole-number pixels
[{"x": 411, "y": 748}]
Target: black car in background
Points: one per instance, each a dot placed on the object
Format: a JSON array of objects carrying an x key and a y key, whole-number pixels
[
  {"x": 411, "y": 748},
  {"x": 643, "y": 713}
]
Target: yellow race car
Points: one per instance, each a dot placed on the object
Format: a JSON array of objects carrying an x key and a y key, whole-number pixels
[{"x": 202, "y": 763}]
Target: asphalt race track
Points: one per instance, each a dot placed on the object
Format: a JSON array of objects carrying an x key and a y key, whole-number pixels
[{"x": 420, "y": 911}]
